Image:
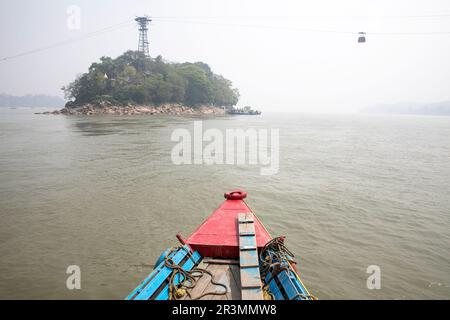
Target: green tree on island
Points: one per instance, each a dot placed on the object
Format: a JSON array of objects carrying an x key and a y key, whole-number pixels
[{"x": 133, "y": 78}]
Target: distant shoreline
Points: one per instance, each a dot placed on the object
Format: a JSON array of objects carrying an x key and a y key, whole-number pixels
[
  {"x": 426, "y": 109},
  {"x": 30, "y": 101}
]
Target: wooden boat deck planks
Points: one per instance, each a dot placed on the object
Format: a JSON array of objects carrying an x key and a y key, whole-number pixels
[{"x": 223, "y": 271}]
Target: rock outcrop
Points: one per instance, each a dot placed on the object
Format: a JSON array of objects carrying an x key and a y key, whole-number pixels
[{"x": 109, "y": 109}]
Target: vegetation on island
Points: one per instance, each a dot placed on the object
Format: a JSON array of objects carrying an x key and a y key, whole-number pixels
[{"x": 133, "y": 78}]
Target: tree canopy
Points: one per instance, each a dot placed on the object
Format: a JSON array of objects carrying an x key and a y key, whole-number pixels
[{"x": 136, "y": 79}]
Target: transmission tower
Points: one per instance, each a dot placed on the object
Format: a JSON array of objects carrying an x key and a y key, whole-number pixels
[{"x": 143, "y": 39}]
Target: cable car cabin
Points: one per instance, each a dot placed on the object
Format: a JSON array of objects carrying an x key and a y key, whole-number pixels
[{"x": 362, "y": 37}]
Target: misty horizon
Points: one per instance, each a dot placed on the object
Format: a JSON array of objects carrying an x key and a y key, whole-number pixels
[{"x": 278, "y": 57}]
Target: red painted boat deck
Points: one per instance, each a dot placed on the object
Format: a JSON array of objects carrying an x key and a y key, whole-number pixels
[{"x": 218, "y": 235}]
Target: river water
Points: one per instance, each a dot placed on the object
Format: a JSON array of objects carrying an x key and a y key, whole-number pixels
[{"x": 102, "y": 193}]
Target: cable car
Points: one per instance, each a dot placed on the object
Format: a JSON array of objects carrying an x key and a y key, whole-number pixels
[{"x": 362, "y": 37}]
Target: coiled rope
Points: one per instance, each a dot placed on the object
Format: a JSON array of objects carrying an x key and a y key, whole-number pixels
[
  {"x": 272, "y": 256},
  {"x": 187, "y": 280},
  {"x": 274, "y": 252}
]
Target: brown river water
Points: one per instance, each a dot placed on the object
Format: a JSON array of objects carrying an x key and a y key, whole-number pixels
[{"x": 102, "y": 193}]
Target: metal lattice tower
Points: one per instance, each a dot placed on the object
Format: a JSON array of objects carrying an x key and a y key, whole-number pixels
[{"x": 143, "y": 38}]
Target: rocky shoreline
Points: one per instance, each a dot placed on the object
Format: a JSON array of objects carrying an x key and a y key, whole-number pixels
[{"x": 108, "y": 109}]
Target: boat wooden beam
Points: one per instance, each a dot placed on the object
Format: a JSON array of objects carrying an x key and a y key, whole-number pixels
[{"x": 251, "y": 288}]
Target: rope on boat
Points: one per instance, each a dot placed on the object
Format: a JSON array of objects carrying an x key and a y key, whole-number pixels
[
  {"x": 187, "y": 279},
  {"x": 278, "y": 253},
  {"x": 271, "y": 257}
]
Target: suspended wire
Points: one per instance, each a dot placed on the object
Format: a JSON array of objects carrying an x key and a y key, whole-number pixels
[
  {"x": 429, "y": 16},
  {"x": 424, "y": 33},
  {"x": 177, "y": 20},
  {"x": 66, "y": 42},
  {"x": 253, "y": 26},
  {"x": 297, "y": 28}
]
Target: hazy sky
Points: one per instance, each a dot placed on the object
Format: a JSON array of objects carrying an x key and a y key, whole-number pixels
[{"x": 274, "y": 68}]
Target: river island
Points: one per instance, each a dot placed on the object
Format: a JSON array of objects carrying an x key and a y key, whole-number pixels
[{"x": 134, "y": 84}]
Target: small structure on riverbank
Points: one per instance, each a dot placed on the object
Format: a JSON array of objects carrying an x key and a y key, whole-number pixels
[{"x": 247, "y": 110}]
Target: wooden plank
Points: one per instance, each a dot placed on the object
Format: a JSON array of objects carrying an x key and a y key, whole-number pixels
[
  {"x": 202, "y": 282},
  {"x": 250, "y": 277},
  {"x": 247, "y": 243},
  {"x": 245, "y": 217},
  {"x": 220, "y": 261},
  {"x": 235, "y": 283},
  {"x": 246, "y": 229},
  {"x": 252, "y": 294},
  {"x": 221, "y": 276},
  {"x": 214, "y": 269},
  {"x": 227, "y": 274},
  {"x": 201, "y": 265},
  {"x": 245, "y": 248},
  {"x": 249, "y": 258}
]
